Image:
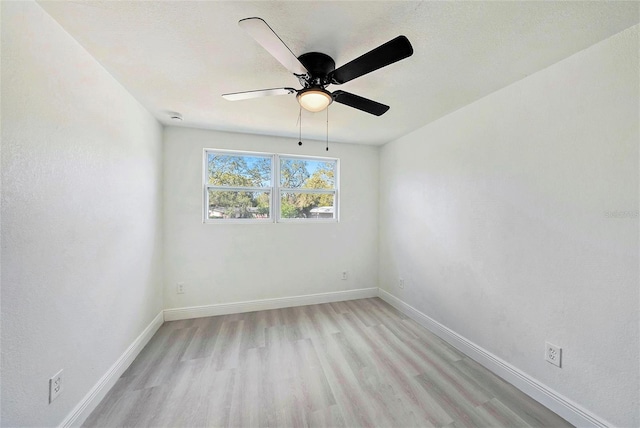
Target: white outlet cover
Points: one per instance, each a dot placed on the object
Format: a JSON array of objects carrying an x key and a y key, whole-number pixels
[
  {"x": 55, "y": 386},
  {"x": 553, "y": 354}
]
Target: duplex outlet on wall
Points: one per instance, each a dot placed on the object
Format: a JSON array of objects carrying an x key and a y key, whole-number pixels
[
  {"x": 55, "y": 386},
  {"x": 345, "y": 275},
  {"x": 553, "y": 354},
  {"x": 180, "y": 288},
  {"x": 401, "y": 283}
]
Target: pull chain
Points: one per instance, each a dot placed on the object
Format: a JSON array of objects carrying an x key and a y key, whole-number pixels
[
  {"x": 327, "y": 149},
  {"x": 300, "y": 123}
]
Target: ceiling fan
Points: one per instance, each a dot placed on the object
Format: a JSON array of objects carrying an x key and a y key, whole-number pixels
[{"x": 315, "y": 71}]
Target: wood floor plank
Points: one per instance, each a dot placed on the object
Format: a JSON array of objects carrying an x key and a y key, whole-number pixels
[
  {"x": 199, "y": 396},
  {"x": 253, "y": 332},
  {"x": 427, "y": 338},
  {"x": 497, "y": 414},
  {"x": 339, "y": 307},
  {"x": 247, "y": 404},
  {"x": 359, "y": 363},
  {"x": 329, "y": 417},
  {"x": 284, "y": 375},
  {"x": 343, "y": 382},
  {"x": 226, "y": 352},
  {"x": 534, "y": 413},
  {"x": 204, "y": 338},
  {"x": 116, "y": 404},
  {"x": 399, "y": 377},
  {"x": 312, "y": 378},
  {"x": 152, "y": 350},
  {"x": 325, "y": 316},
  {"x": 390, "y": 311},
  {"x": 361, "y": 310},
  {"x": 455, "y": 404},
  {"x": 419, "y": 401},
  {"x": 146, "y": 403},
  {"x": 166, "y": 360}
]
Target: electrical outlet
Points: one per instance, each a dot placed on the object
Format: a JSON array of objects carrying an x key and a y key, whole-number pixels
[
  {"x": 401, "y": 283},
  {"x": 345, "y": 275},
  {"x": 180, "y": 288},
  {"x": 553, "y": 354},
  {"x": 55, "y": 386}
]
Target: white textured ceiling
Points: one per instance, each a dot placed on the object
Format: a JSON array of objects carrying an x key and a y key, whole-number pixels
[{"x": 182, "y": 55}]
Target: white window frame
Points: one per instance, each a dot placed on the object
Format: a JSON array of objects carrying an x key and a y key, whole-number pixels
[
  {"x": 275, "y": 190},
  {"x": 206, "y": 187},
  {"x": 334, "y": 191}
]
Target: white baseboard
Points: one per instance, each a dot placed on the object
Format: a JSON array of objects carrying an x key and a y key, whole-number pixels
[
  {"x": 551, "y": 399},
  {"x": 265, "y": 304},
  {"x": 84, "y": 408}
]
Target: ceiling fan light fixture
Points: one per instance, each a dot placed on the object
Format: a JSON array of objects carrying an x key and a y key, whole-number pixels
[{"x": 314, "y": 99}]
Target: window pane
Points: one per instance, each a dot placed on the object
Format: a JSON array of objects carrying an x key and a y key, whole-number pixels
[
  {"x": 307, "y": 173},
  {"x": 229, "y": 204},
  {"x": 238, "y": 170},
  {"x": 306, "y": 205}
]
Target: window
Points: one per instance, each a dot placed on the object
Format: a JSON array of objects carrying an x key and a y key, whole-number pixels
[
  {"x": 307, "y": 188},
  {"x": 238, "y": 186},
  {"x": 259, "y": 187}
]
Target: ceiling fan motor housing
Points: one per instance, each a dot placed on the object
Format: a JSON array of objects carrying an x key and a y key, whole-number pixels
[{"x": 319, "y": 66}]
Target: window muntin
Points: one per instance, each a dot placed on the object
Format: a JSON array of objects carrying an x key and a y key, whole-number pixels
[{"x": 258, "y": 187}]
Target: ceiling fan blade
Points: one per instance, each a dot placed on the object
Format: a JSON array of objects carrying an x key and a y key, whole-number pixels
[
  {"x": 388, "y": 53},
  {"x": 237, "y": 96},
  {"x": 268, "y": 39},
  {"x": 360, "y": 103}
]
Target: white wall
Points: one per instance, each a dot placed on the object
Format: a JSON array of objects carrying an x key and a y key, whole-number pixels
[
  {"x": 81, "y": 218},
  {"x": 495, "y": 216},
  {"x": 223, "y": 263}
]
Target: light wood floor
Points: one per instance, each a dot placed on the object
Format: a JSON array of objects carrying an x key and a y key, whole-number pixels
[{"x": 346, "y": 364}]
